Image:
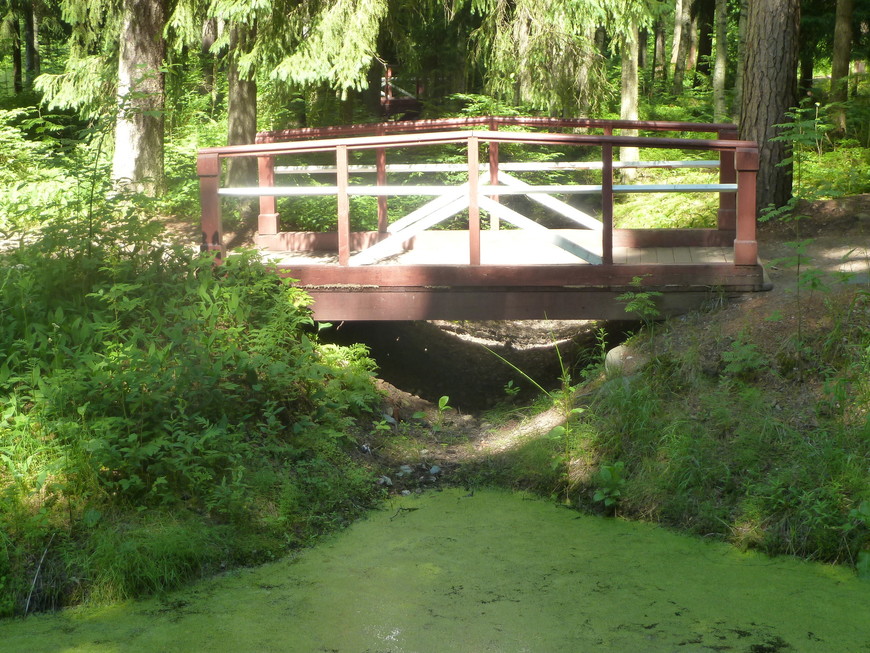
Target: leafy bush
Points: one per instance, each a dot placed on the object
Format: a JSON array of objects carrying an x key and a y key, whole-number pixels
[{"x": 141, "y": 375}]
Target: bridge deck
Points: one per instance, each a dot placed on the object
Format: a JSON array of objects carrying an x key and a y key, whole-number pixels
[{"x": 516, "y": 279}]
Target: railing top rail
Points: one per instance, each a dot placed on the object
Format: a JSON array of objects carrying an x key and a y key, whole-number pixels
[
  {"x": 442, "y": 124},
  {"x": 441, "y": 138}
]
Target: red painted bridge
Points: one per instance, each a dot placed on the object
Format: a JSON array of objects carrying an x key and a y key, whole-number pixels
[{"x": 466, "y": 250}]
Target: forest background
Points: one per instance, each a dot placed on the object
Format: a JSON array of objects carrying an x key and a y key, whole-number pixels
[{"x": 123, "y": 473}]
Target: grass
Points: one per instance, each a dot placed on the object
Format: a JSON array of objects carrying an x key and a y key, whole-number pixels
[{"x": 718, "y": 436}]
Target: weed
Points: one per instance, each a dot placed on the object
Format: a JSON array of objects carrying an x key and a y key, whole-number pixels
[
  {"x": 642, "y": 304},
  {"x": 743, "y": 360},
  {"x": 610, "y": 483},
  {"x": 511, "y": 390}
]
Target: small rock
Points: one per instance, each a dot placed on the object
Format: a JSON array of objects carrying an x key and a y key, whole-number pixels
[
  {"x": 434, "y": 469},
  {"x": 406, "y": 493},
  {"x": 385, "y": 480},
  {"x": 623, "y": 360},
  {"x": 405, "y": 469}
]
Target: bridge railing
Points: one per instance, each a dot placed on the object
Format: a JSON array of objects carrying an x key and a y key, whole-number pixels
[
  {"x": 738, "y": 165},
  {"x": 723, "y": 131}
]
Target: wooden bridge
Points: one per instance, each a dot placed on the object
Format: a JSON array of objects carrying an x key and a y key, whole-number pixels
[{"x": 438, "y": 262}]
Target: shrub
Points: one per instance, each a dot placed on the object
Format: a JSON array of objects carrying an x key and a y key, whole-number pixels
[{"x": 142, "y": 375}]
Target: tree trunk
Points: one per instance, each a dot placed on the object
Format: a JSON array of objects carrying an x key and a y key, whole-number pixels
[
  {"x": 807, "y": 66},
  {"x": 629, "y": 95},
  {"x": 741, "y": 55},
  {"x": 682, "y": 47},
  {"x": 840, "y": 60},
  {"x": 583, "y": 74},
  {"x": 721, "y": 27},
  {"x": 660, "y": 70},
  {"x": 678, "y": 32},
  {"x": 13, "y": 30},
  {"x": 139, "y": 127},
  {"x": 706, "y": 10},
  {"x": 241, "y": 115},
  {"x": 692, "y": 50},
  {"x": 643, "y": 47},
  {"x": 207, "y": 57},
  {"x": 769, "y": 90},
  {"x": 31, "y": 44}
]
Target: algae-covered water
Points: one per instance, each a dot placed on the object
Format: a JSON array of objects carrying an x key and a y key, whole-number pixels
[{"x": 490, "y": 572}]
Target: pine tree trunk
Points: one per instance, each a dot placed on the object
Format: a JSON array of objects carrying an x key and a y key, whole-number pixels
[
  {"x": 678, "y": 32},
  {"x": 207, "y": 58},
  {"x": 741, "y": 55},
  {"x": 719, "y": 69},
  {"x": 807, "y": 67},
  {"x": 660, "y": 69},
  {"x": 706, "y": 10},
  {"x": 31, "y": 44},
  {"x": 139, "y": 127},
  {"x": 769, "y": 90},
  {"x": 241, "y": 116},
  {"x": 840, "y": 60},
  {"x": 629, "y": 94},
  {"x": 682, "y": 47},
  {"x": 13, "y": 30}
]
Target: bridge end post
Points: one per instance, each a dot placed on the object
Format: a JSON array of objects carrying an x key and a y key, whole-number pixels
[
  {"x": 267, "y": 221},
  {"x": 746, "y": 245},
  {"x": 727, "y": 216},
  {"x": 208, "y": 168}
]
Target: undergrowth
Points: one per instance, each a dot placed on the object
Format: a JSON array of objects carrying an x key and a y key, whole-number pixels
[
  {"x": 162, "y": 417},
  {"x": 726, "y": 435}
]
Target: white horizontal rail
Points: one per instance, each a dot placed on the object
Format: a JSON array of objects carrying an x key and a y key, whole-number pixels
[{"x": 532, "y": 166}]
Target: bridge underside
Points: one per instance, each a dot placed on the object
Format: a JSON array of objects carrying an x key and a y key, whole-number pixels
[{"x": 687, "y": 277}]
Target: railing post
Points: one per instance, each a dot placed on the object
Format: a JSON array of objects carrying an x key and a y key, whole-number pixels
[
  {"x": 267, "y": 221},
  {"x": 607, "y": 203},
  {"x": 381, "y": 166},
  {"x": 343, "y": 205},
  {"x": 473, "y": 203},
  {"x": 493, "y": 173},
  {"x": 727, "y": 218},
  {"x": 208, "y": 167},
  {"x": 745, "y": 245}
]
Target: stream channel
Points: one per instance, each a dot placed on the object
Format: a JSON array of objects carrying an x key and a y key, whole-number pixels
[{"x": 485, "y": 571}]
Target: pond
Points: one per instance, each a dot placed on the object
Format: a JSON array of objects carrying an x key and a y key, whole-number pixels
[{"x": 486, "y": 571}]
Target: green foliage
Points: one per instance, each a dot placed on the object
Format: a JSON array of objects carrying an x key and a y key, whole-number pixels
[
  {"x": 640, "y": 303},
  {"x": 743, "y": 360},
  {"x": 610, "y": 482},
  {"x": 141, "y": 376}
]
